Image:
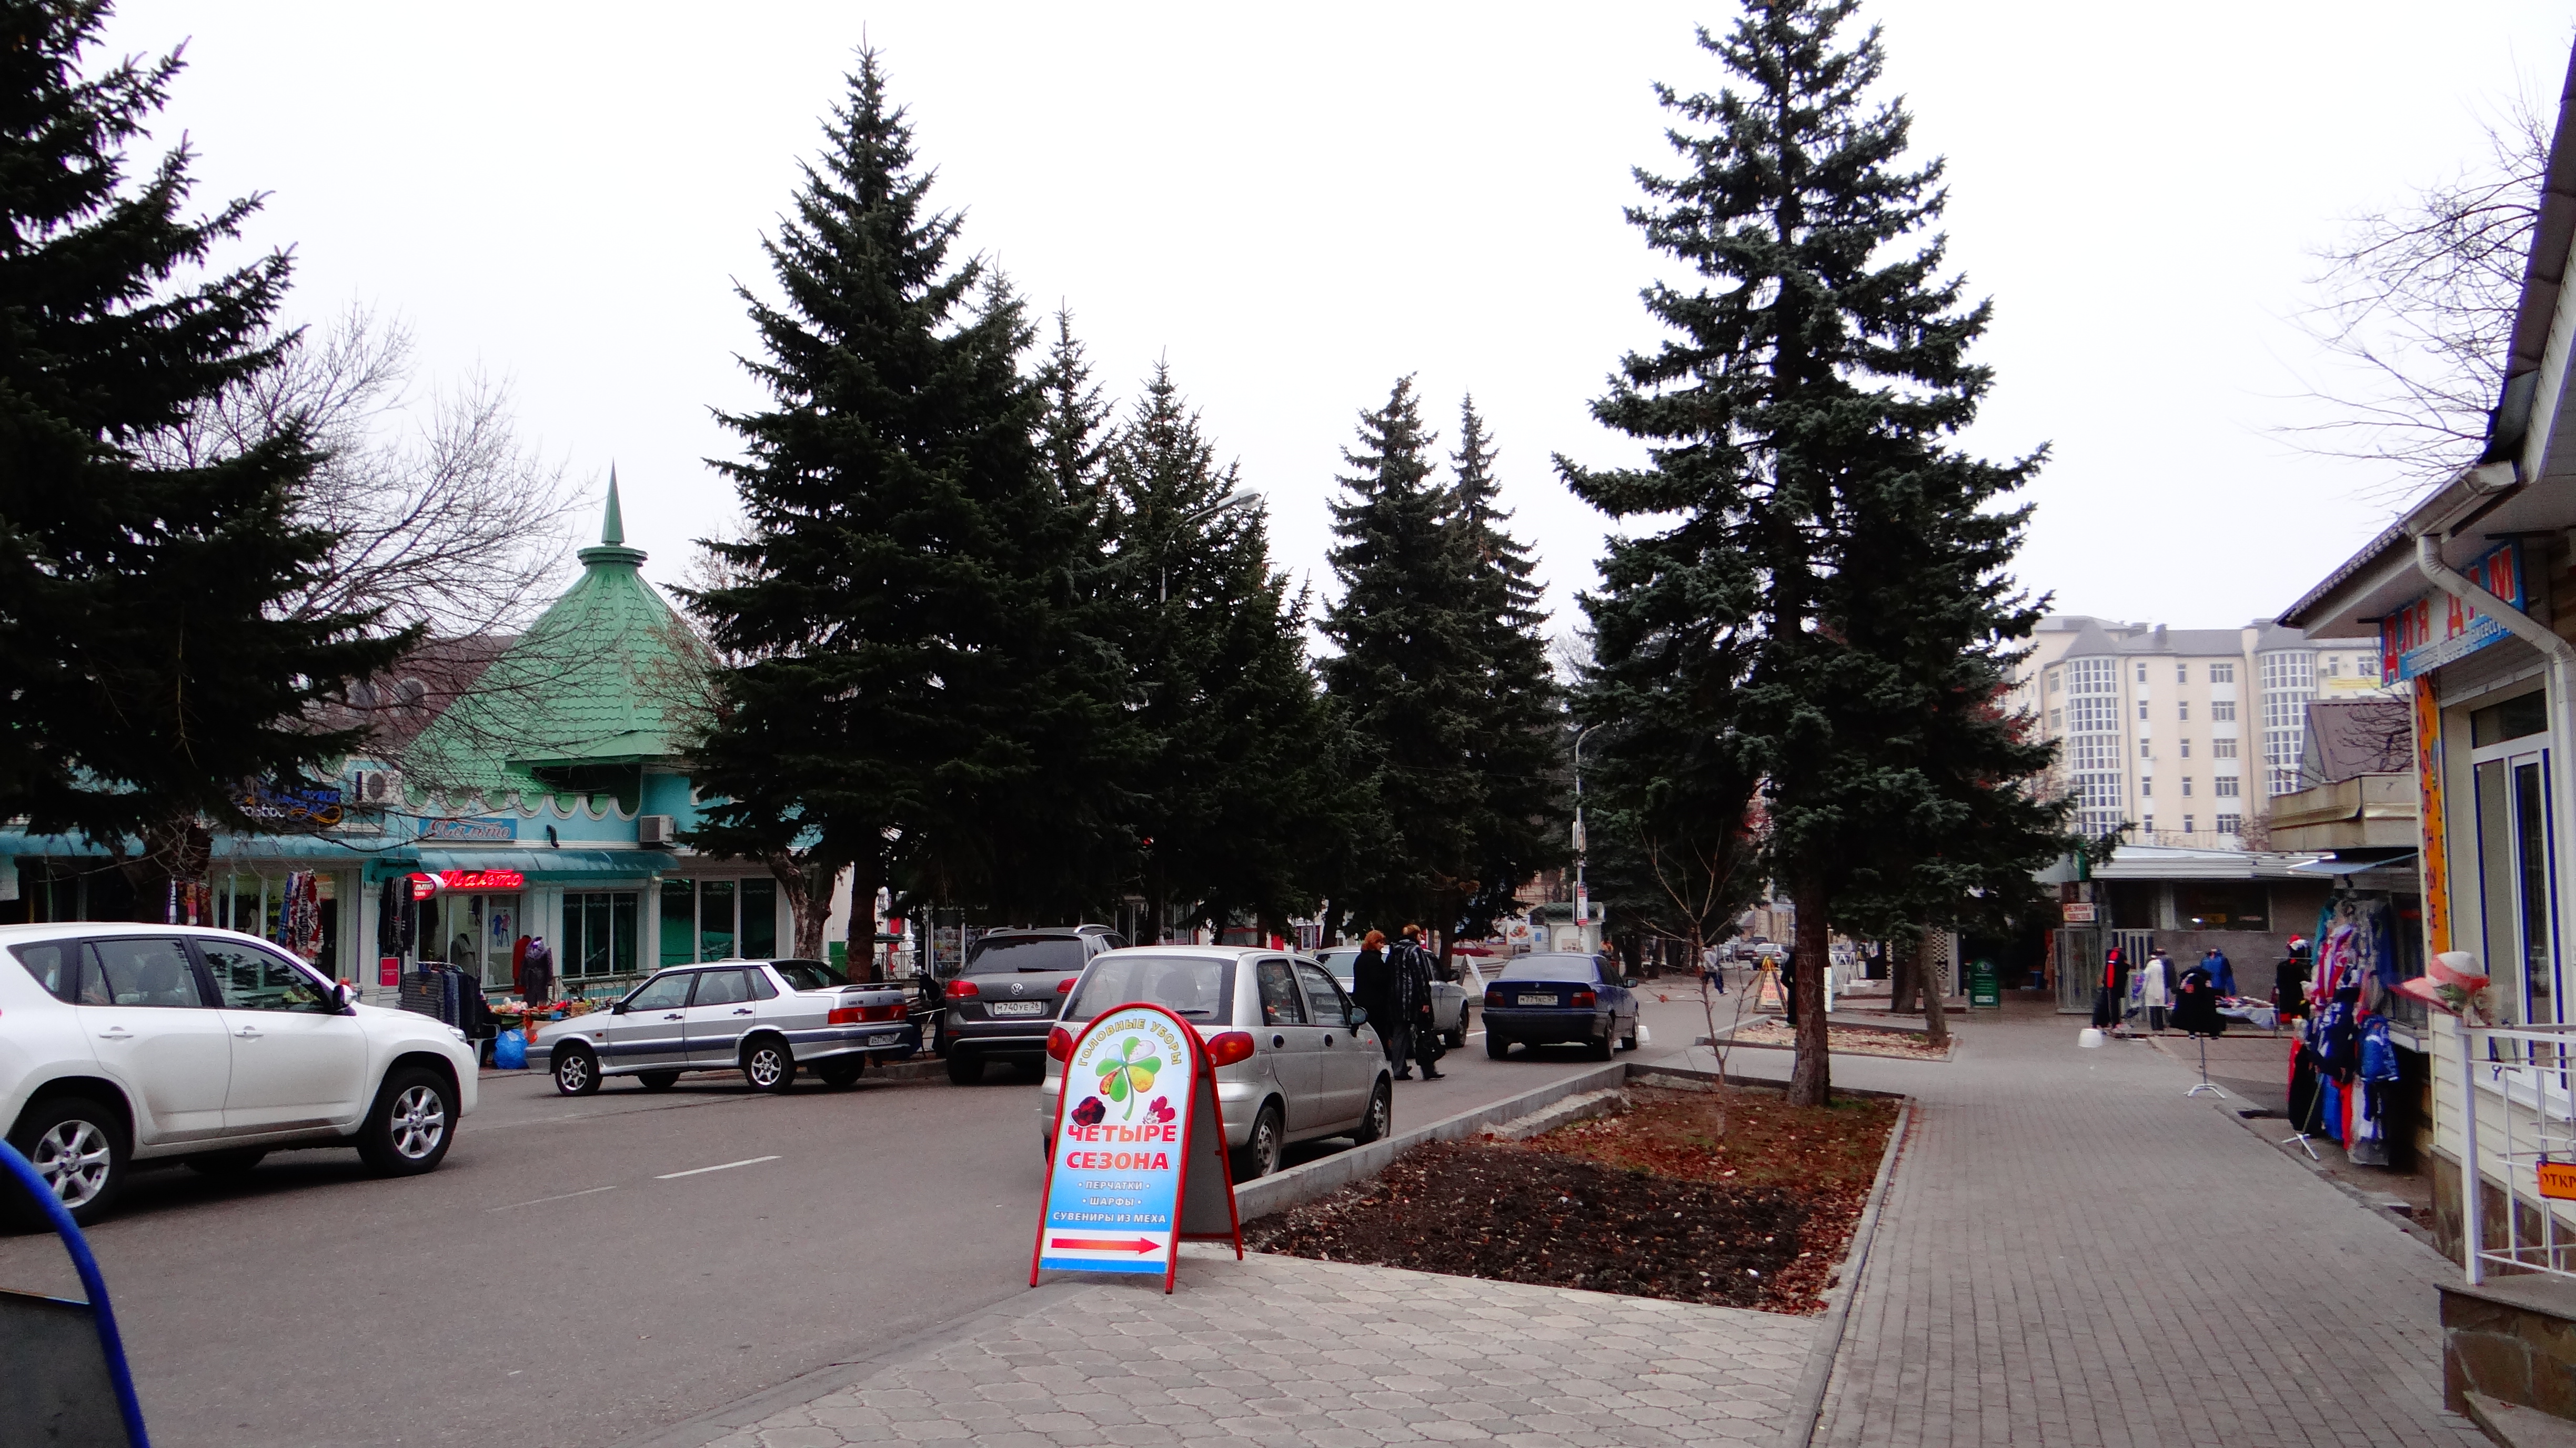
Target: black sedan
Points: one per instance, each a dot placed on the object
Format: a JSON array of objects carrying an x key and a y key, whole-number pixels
[{"x": 1543, "y": 999}]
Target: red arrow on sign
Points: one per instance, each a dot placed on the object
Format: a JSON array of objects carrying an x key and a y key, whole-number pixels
[{"x": 1096, "y": 1244}]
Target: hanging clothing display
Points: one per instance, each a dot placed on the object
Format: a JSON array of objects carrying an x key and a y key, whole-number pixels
[{"x": 2196, "y": 1004}]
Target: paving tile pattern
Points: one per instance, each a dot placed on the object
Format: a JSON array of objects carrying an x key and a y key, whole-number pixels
[
  {"x": 2074, "y": 1253},
  {"x": 1281, "y": 1350}
]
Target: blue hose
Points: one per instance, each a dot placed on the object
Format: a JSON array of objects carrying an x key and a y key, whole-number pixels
[{"x": 91, "y": 1283}]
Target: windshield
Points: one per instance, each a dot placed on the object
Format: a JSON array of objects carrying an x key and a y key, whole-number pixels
[
  {"x": 995, "y": 954},
  {"x": 1191, "y": 987},
  {"x": 1577, "y": 968},
  {"x": 808, "y": 974},
  {"x": 1340, "y": 962}
]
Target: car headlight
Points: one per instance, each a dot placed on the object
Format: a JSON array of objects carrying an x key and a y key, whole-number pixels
[{"x": 460, "y": 1035}]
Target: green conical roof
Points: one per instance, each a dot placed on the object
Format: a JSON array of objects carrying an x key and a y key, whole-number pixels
[{"x": 607, "y": 676}]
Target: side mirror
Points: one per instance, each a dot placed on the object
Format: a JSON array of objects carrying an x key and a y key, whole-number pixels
[
  {"x": 343, "y": 995},
  {"x": 1630, "y": 982},
  {"x": 1359, "y": 1017},
  {"x": 617, "y": 1008}
]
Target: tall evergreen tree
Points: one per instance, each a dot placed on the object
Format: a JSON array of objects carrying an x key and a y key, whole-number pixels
[
  {"x": 1408, "y": 675},
  {"x": 1518, "y": 736},
  {"x": 918, "y": 692},
  {"x": 1243, "y": 794},
  {"x": 145, "y": 670},
  {"x": 1799, "y": 415}
]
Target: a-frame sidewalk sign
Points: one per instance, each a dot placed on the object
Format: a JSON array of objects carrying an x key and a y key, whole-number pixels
[{"x": 1137, "y": 1160}]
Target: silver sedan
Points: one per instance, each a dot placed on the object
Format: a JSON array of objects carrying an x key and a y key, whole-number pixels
[{"x": 1293, "y": 1060}]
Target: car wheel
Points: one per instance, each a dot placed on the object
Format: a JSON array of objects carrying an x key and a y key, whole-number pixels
[
  {"x": 413, "y": 1121},
  {"x": 78, "y": 1147},
  {"x": 1380, "y": 1118},
  {"x": 769, "y": 1065},
  {"x": 965, "y": 1068},
  {"x": 1628, "y": 1042},
  {"x": 842, "y": 1073},
  {"x": 659, "y": 1080},
  {"x": 1456, "y": 1040},
  {"x": 576, "y": 1071},
  {"x": 1600, "y": 1050},
  {"x": 227, "y": 1163},
  {"x": 1495, "y": 1046},
  {"x": 1261, "y": 1150}
]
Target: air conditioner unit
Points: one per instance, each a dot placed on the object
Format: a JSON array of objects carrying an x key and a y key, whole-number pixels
[
  {"x": 378, "y": 788},
  {"x": 652, "y": 829}
]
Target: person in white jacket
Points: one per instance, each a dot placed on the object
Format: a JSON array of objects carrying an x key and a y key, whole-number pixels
[{"x": 2158, "y": 976}]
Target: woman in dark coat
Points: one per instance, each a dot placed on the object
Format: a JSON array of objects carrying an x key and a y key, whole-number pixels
[{"x": 1373, "y": 989}]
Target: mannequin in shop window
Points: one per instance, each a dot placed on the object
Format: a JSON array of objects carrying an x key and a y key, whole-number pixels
[{"x": 536, "y": 973}]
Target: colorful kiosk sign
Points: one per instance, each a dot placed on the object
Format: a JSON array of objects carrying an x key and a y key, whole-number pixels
[
  {"x": 2441, "y": 628},
  {"x": 1138, "y": 1161}
]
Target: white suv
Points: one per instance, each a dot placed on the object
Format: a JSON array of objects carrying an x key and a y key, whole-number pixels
[{"x": 125, "y": 1043}]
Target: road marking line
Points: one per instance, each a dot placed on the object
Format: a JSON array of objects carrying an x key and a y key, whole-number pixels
[
  {"x": 541, "y": 1201},
  {"x": 727, "y": 1166}
]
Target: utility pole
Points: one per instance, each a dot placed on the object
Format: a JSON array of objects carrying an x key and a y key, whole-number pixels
[{"x": 1582, "y": 895}]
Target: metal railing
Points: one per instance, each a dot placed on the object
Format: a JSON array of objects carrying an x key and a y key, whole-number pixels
[{"x": 2528, "y": 1138}]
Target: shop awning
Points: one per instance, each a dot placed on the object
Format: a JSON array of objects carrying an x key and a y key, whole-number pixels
[
  {"x": 308, "y": 850},
  {"x": 2405, "y": 861},
  {"x": 58, "y": 846},
  {"x": 552, "y": 865}
]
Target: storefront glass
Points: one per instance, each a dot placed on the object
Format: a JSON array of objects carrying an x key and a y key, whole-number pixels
[
  {"x": 2510, "y": 778},
  {"x": 599, "y": 934},
  {"x": 715, "y": 920},
  {"x": 719, "y": 920},
  {"x": 474, "y": 932}
]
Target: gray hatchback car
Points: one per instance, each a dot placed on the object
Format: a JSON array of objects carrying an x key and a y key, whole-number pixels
[{"x": 1294, "y": 1060}]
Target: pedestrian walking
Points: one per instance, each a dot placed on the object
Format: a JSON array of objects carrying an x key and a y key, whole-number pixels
[
  {"x": 2106, "y": 996},
  {"x": 1412, "y": 962},
  {"x": 1712, "y": 970},
  {"x": 1374, "y": 987}
]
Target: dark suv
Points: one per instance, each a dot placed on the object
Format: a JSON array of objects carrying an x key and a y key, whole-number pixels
[{"x": 1005, "y": 1000}]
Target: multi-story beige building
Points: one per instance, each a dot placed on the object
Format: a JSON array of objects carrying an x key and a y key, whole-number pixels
[{"x": 2185, "y": 735}]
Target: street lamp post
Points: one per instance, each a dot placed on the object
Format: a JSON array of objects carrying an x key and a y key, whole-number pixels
[{"x": 1582, "y": 895}]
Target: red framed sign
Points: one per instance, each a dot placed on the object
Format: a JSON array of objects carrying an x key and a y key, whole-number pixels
[{"x": 1137, "y": 1160}]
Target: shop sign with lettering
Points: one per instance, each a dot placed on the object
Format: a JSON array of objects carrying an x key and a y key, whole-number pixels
[
  {"x": 1138, "y": 1162},
  {"x": 489, "y": 829},
  {"x": 2440, "y": 628}
]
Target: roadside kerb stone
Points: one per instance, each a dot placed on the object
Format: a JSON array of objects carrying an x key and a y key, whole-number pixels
[{"x": 1573, "y": 1108}]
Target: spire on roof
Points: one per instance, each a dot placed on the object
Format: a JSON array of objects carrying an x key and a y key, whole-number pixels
[{"x": 612, "y": 533}]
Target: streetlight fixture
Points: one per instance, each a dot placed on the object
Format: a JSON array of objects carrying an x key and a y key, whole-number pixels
[{"x": 1239, "y": 498}]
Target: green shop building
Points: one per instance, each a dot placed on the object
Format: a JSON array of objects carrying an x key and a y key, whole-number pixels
[{"x": 537, "y": 790}]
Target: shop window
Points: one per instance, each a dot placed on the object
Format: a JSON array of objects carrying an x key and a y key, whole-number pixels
[
  {"x": 2222, "y": 906},
  {"x": 679, "y": 921},
  {"x": 719, "y": 920},
  {"x": 715, "y": 920},
  {"x": 759, "y": 919},
  {"x": 2511, "y": 719},
  {"x": 599, "y": 934},
  {"x": 2513, "y": 880}
]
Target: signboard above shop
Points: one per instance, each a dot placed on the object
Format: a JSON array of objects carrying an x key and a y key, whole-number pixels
[
  {"x": 2439, "y": 628},
  {"x": 487, "y": 829}
]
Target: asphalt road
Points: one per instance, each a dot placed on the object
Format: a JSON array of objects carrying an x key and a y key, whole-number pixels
[{"x": 583, "y": 1270}]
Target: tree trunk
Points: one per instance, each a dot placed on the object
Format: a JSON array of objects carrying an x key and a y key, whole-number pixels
[
  {"x": 1811, "y": 1080},
  {"x": 176, "y": 853},
  {"x": 867, "y": 876},
  {"x": 1902, "y": 979},
  {"x": 808, "y": 882},
  {"x": 1936, "y": 1005}
]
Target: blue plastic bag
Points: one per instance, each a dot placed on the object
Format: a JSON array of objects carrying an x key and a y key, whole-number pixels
[{"x": 510, "y": 1051}]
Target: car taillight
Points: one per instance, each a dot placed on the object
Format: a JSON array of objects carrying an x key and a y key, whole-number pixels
[
  {"x": 1493, "y": 995},
  {"x": 1583, "y": 998},
  {"x": 1227, "y": 1047},
  {"x": 1060, "y": 1044},
  {"x": 1064, "y": 986},
  {"x": 854, "y": 1015},
  {"x": 959, "y": 990}
]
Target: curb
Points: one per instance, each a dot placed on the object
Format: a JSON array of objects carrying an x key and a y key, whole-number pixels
[
  {"x": 1304, "y": 1183},
  {"x": 741, "y": 1413},
  {"x": 1819, "y": 1373}
]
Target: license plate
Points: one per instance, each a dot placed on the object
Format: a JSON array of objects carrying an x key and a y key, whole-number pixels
[
  {"x": 1018, "y": 1008},
  {"x": 885, "y": 1038},
  {"x": 1537, "y": 1000}
]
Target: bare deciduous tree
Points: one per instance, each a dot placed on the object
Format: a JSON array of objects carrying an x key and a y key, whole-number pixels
[{"x": 2417, "y": 304}]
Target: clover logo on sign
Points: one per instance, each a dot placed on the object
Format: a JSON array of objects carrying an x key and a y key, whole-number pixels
[{"x": 1126, "y": 1077}]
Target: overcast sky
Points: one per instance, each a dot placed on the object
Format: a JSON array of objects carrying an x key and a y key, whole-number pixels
[{"x": 1296, "y": 205}]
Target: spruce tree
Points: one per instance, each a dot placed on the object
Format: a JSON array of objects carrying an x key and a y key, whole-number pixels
[
  {"x": 1408, "y": 675},
  {"x": 145, "y": 672},
  {"x": 1517, "y": 745},
  {"x": 1240, "y": 800},
  {"x": 1799, "y": 416},
  {"x": 918, "y": 686}
]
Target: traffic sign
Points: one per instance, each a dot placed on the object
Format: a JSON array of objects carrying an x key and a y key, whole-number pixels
[{"x": 1138, "y": 1160}]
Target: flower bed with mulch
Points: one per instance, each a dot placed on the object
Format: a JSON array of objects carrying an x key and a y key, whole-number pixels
[
  {"x": 1732, "y": 1198},
  {"x": 1846, "y": 1040}
]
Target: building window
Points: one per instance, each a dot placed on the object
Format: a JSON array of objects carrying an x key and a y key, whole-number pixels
[
  {"x": 2182, "y": 673},
  {"x": 2055, "y": 681},
  {"x": 2142, "y": 708},
  {"x": 2186, "y": 791},
  {"x": 2223, "y": 710},
  {"x": 2222, "y": 749},
  {"x": 2093, "y": 742},
  {"x": 2142, "y": 673},
  {"x": 2147, "y": 823},
  {"x": 2146, "y": 749},
  {"x": 2222, "y": 673},
  {"x": 2182, "y": 709},
  {"x": 2334, "y": 666},
  {"x": 2186, "y": 824},
  {"x": 719, "y": 920},
  {"x": 2225, "y": 786},
  {"x": 2231, "y": 824},
  {"x": 2186, "y": 749},
  {"x": 2056, "y": 721},
  {"x": 598, "y": 934},
  {"x": 2146, "y": 787},
  {"x": 2289, "y": 681}
]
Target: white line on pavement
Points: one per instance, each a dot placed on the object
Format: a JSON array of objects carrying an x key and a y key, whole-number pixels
[
  {"x": 726, "y": 1166},
  {"x": 541, "y": 1201}
]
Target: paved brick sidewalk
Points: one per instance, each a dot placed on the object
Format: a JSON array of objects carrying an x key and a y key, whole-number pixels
[
  {"x": 1286, "y": 1351},
  {"x": 2074, "y": 1253}
]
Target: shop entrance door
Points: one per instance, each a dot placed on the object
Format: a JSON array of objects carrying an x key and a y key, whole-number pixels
[{"x": 2515, "y": 851}]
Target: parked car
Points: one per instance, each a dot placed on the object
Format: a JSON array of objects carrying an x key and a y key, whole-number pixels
[
  {"x": 1001, "y": 1005},
  {"x": 764, "y": 1018},
  {"x": 1449, "y": 998},
  {"x": 1555, "y": 997},
  {"x": 125, "y": 1045},
  {"x": 1295, "y": 1060}
]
